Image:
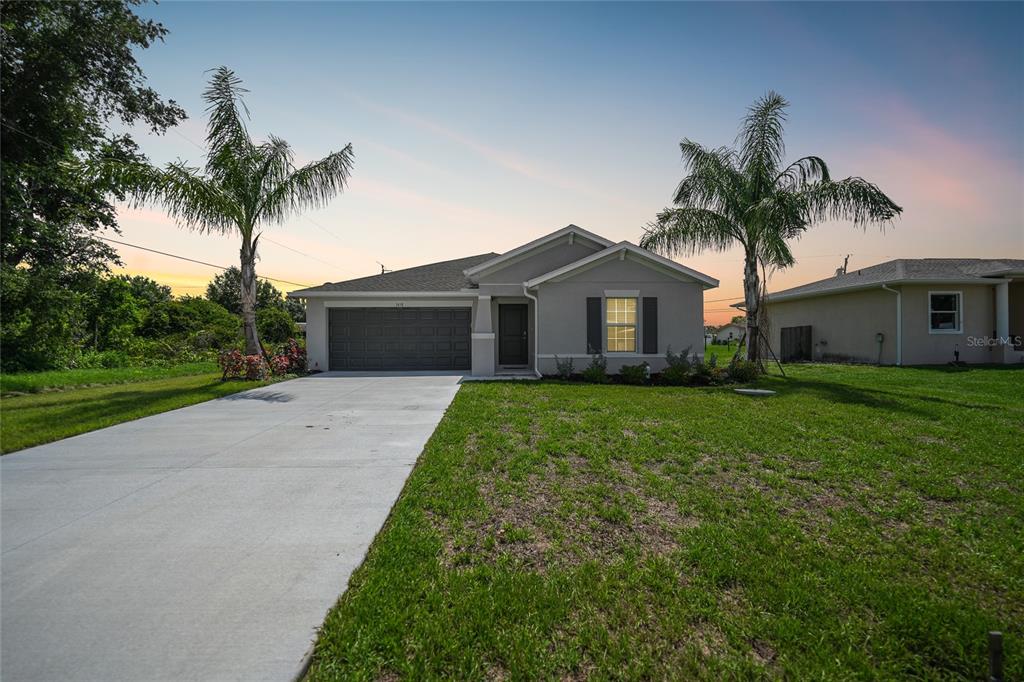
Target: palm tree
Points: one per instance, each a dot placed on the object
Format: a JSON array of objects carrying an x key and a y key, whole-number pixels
[
  {"x": 748, "y": 197},
  {"x": 244, "y": 186}
]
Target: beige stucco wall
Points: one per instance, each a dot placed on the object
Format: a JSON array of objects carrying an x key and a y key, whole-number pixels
[
  {"x": 562, "y": 314},
  {"x": 541, "y": 262},
  {"x": 923, "y": 348},
  {"x": 843, "y": 326}
]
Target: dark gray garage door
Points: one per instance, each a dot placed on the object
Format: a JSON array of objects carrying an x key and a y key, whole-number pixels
[{"x": 399, "y": 338}]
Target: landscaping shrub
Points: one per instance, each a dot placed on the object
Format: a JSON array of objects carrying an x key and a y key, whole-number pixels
[
  {"x": 681, "y": 361},
  {"x": 675, "y": 375},
  {"x": 279, "y": 365},
  {"x": 742, "y": 371},
  {"x": 296, "y": 354},
  {"x": 564, "y": 368},
  {"x": 597, "y": 371},
  {"x": 275, "y": 325},
  {"x": 634, "y": 374},
  {"x": 235, "y": 365}
]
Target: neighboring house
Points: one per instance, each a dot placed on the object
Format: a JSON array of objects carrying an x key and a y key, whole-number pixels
[
  {"x": 730, "y": 332},
  {"x": 571, "y": 293},
  {"x": 905, "y": 312}
]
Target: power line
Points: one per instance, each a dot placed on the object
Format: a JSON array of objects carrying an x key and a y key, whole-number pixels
[{"x": 193, "y": 260}]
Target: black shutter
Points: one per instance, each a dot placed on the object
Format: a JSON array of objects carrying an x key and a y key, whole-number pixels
[
  {"x": 650, "y": 331},
  {"x": 594, "y": 325}
]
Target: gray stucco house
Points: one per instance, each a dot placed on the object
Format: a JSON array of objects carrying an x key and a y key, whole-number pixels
[
  {"x": 920, "y": 311},
  {"x": 571, "y": 293}
]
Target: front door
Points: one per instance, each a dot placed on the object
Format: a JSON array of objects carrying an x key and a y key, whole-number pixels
[{"x": 512, "y": 334}]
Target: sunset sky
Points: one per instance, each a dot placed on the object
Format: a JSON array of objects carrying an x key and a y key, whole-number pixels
[{"x": 478, "y": 127}]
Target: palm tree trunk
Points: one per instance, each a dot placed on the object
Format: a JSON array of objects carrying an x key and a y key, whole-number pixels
[
  {"x": 248, "y": 297},
  {"x": 752, "y": 299}
]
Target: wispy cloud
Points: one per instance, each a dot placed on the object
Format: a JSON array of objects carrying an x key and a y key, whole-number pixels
[{"x": 508, "y": 160}]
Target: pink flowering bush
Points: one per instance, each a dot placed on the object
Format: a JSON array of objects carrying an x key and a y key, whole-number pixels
[
  {"x": 235, "y": 365},
  {"x": 291, "y": 359},
  {"x": 279, "y": 364}
]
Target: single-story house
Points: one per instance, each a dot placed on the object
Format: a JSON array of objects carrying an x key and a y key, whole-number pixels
[
  {"x": 730, "y": 332},
  {"x": 921, "y": 311},
  {"x": 570, "y": 294}
]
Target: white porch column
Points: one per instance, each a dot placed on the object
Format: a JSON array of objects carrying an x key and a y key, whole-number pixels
[
  {"x": 1002, "y": 310},
  {"x": 483, "y": 339},
  {"x": 1004, "y": 349}
]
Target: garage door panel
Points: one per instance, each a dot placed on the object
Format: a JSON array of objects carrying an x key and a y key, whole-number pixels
[{"x": 399, "y": 338}]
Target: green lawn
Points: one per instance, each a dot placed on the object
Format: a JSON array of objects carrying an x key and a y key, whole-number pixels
[
  {"x": 35, "y": 382},
  {"x": 43, "y": 417},
  {"x": 865, "y": 523}
]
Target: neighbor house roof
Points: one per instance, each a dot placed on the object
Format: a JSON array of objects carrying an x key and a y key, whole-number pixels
[
  {"x": 444, "y": 276},
  {"x": 908, "y": 271}
]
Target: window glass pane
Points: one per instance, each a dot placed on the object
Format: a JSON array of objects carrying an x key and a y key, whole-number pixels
[
  {"x": 622, "y": 339},
  {"x": 944, "y": 302},
  {"x": 621, "y": 310},
  {"x": 943, "y": 320}
]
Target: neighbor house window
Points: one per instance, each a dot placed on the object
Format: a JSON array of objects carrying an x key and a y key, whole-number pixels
[
  {"x": 945, "y": 311},
  {"x": 621, "y": 325}
]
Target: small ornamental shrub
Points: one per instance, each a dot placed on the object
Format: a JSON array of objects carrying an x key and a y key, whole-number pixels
[
  {"x": 296, "y": 355},
  {"x": 279, "y": 365},
  {"x": 675, "y": 375},
  {"x": 597, "y": 371},
  {"x": 634, "y": 374},
  {"x": 564, "y": 367},
  {"x": 681, "y": 361},
  {"x": 232, "y": 364},
  {"x": 742, "y": 371},
  {"x": 255, "y": 368},
  {"x": 235, "y": 365}
]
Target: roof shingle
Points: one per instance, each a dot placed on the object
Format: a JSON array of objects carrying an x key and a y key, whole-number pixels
[
  {"x": 908, "y": 270},
  {"x": 444, "y": 276}
]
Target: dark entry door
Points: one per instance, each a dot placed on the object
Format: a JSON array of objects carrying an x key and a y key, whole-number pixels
[
  {"x": 512, "y": 334},
  {"x": 399, "y": 338}
]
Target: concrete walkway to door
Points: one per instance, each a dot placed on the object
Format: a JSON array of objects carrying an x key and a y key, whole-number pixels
[{"x": 205, "y": 543}]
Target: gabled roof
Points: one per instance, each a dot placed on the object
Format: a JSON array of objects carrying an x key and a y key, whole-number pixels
[
  {"x": 620, "y": 250},
  {"x": 909, "y": 271},
  {"x": 514, "y": 254},
  {"x": 444, "y": 276}
]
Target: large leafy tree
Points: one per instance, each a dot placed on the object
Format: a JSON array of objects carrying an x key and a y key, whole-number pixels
[
  {"x": 68, "y": 70},
  {"x": 751, "y": 198},
  {"x": 244, "y": 187},
  {"x": 225, "y": 286}
]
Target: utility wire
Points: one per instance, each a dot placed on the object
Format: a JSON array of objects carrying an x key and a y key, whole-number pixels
[{"x": 193, "y": 260}]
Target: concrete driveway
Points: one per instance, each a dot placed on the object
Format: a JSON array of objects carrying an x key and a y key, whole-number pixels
[{"x": 205, "y": 543}]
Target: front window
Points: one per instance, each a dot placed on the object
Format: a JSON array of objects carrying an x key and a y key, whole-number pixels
[
  {"x": 621, "y": 325},
  {"x": 944, "y": 312}
]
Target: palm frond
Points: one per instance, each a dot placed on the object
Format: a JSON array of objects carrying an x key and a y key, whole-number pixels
[
  {"x": 226, "y": 136},
  {"x": 714, "y": 181},
  {"x": 687, "y": 230},
  {"x": 802, "y": 172},
  {"x": 190, "y": 199},
  {"x": 760, "y": 140},
  {"x": 311, "y": 186},
  {"x": 853, "y": 199}
]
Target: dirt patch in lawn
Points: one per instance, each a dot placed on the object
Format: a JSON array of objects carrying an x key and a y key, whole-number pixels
[{"x": 568, "y": 511}]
